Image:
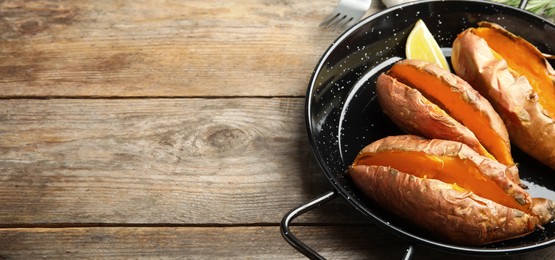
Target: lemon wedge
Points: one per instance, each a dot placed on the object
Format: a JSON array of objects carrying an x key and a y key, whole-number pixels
[{"x": 421, "y": 45}]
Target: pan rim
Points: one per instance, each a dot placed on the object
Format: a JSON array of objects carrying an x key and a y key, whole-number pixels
[{"x": 411, "y": 237}]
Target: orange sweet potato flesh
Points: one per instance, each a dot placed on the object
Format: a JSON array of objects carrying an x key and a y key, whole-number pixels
[
  {"x": 452, "y": 214},
  {"x": 523, "y": 58},
  {"x": 450, "y": 162},
  {"x": 448, "y": 189},
  {"x": 447, "y": 169},
  {"x": 415, "y": 114},
  {"x": 518, "y": 81},
  {"x": 460, "y": 101}
]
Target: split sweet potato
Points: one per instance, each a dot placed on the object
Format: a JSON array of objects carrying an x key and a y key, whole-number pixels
[
  {"x": 426, "y": 100},
  {"x": 518, "y": 81},
  {"x": 449, "y": 189}
]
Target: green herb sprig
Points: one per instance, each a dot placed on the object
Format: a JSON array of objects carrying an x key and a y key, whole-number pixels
[{"x": 545, "y": 8}]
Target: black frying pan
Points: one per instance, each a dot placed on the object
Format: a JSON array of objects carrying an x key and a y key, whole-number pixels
[{"x": 343, "y": 115}]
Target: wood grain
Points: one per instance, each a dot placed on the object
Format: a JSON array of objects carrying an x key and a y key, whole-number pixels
[
  {"x": 167, "y": 129},
  {"x": 193, "y": 243},
  {"x": 160, "y": 48},
  {"x": 195, "y": 161},
  {"x": 257, "y": 242}
]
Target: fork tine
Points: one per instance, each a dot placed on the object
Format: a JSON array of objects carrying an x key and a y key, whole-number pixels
[
  {"x": 344, "y": 22},
  {"x": 329, "y": 19},
  {"x": 334, "y": 24},
  {"x": 346, "y": 13}
]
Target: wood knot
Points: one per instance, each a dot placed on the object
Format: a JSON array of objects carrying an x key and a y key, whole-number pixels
[
  {"x": 30, "y": 27},
  {"x": 214, "y": 140},
  {"x": 223, "y": 138}
]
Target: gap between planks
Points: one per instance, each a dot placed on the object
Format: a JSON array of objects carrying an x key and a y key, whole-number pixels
[{"x": 159, "y": 225}]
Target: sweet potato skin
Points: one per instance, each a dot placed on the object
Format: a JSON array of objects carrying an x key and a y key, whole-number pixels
[
  {"x": 457, "y": 216},
  {"x": 529, "y": 126},
  {"x": 455, "y": 213},
  {"x": 413, "y": 112},
  {"x": 544, "y": 209},
  {"x": 501, "y": 174}
]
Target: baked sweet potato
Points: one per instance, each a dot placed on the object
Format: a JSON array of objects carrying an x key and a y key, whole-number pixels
[
  {"x": 415, "y": 114},
  {"x": 449, "y": 189},
  {"x": 518, "y": 81},
  {"x": 424, "y": 99},
  {"x": 448, "y": 212}
]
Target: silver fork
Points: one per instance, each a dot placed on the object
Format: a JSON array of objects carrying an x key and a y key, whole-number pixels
[{"x": 347, "y": 13}]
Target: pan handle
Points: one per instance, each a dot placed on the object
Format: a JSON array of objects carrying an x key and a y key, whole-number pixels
[
  {"x": 409, "y": 253},
  {"x": 289, "y": 217},
  {"x": 298, "y": 244}
]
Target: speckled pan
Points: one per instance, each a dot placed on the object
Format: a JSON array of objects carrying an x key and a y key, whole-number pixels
[{"x": 343, "y": 114}]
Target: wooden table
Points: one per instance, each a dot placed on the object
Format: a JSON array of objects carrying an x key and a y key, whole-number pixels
[{"x": 167, "y": 129}]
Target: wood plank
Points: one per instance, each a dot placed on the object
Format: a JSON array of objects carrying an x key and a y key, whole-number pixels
[
  {"x": 160, "y": 48},
  {"x": 194, "y": 243},
  {"x": 195, "y": 161},
  {"x": 256, "y": 242}
]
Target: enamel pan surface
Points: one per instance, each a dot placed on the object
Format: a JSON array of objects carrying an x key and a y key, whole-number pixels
[{"x": 343, "y": 114}]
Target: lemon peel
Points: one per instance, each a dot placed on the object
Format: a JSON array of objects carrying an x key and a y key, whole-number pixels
[{"x": 421, "y": 45}]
